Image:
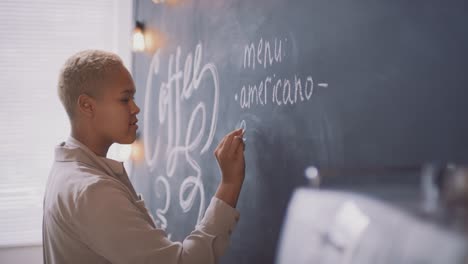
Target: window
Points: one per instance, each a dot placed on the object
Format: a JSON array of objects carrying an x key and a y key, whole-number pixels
[{"x": 36, "y": 38}]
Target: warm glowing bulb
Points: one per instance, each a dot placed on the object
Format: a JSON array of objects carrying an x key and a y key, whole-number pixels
[
  {"x": 138, "y": 40},
  {"x": 137, "y": 151}
]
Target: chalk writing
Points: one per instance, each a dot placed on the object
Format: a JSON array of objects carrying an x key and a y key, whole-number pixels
[
  {"x": 262, "y": 54},
  {"x": 180, "y": 86},
  {"x": 272, "y": 89}
]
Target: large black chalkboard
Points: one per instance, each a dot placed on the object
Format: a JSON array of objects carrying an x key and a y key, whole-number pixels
[{"x": 315, "y": 82}]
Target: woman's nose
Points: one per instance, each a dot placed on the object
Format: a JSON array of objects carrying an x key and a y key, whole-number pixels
[{"x": 135, "y": 109}]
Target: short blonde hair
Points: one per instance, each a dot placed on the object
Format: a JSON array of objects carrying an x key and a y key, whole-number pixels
[{"x": 81, "y": 72}]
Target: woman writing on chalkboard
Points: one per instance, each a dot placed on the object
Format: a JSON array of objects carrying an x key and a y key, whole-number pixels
[{"x": 91, "y": 211}]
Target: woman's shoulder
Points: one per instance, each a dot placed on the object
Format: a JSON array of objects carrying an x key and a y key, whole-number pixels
[{"x": 77, "y": 182}]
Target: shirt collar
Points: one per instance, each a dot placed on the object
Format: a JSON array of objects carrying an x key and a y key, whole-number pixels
[{"x": 74, "y": 150}]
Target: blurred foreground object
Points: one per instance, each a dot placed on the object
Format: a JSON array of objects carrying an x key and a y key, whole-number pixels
[{"x": 339, "y": 227}]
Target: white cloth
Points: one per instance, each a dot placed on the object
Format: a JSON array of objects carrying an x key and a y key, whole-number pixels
[
  {"x": 329, "y": 227},
  {"x": 93, "y": 215}
]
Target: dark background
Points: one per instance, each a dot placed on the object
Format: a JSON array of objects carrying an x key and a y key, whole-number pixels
[{"x": 396, "y": 96}]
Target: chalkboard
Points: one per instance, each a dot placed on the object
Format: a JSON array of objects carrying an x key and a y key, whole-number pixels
[{"x": 314, "y": 82}]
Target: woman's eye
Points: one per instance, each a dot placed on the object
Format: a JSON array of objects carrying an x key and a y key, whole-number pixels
[{"x": 126, "y": 100}]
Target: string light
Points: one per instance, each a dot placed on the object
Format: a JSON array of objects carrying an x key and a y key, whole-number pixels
[
  {"x": 137, "y": 153},
  {"x": 139, "y": 42}
]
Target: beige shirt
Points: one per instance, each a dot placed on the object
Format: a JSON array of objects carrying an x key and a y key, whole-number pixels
[{"x": 93, "y": 215}]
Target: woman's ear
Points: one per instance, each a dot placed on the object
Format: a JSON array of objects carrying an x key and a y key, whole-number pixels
[{"x": 86, "y": 105}]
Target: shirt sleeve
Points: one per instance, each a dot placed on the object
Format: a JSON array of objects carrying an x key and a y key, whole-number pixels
[{"x": 111, "y": 224}]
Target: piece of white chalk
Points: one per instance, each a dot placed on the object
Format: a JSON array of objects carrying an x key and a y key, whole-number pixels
[{"x": 242, "y": 138}]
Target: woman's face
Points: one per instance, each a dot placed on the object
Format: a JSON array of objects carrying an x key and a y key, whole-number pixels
[{"x": 116, "y": 110}]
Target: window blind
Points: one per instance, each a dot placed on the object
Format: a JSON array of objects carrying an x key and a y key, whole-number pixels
[{"x": 36, "y": 38}]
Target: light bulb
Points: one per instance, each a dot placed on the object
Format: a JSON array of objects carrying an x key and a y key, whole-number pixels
[
  {"x": 137, "y": 151},
  {"x": 139, "y": 36},
  {"x": 138, "y": 39}
]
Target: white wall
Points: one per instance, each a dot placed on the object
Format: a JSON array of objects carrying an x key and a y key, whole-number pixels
[{"x": 20, "y": 255}]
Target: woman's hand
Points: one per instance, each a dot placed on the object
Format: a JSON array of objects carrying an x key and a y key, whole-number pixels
[{"x": 230, "y": 157}]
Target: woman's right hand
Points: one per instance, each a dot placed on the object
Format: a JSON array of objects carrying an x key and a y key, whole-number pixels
[{"x": 230, "y": 157}]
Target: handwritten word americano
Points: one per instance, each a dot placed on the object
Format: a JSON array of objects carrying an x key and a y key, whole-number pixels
[{"x": 272, "y": 89}]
